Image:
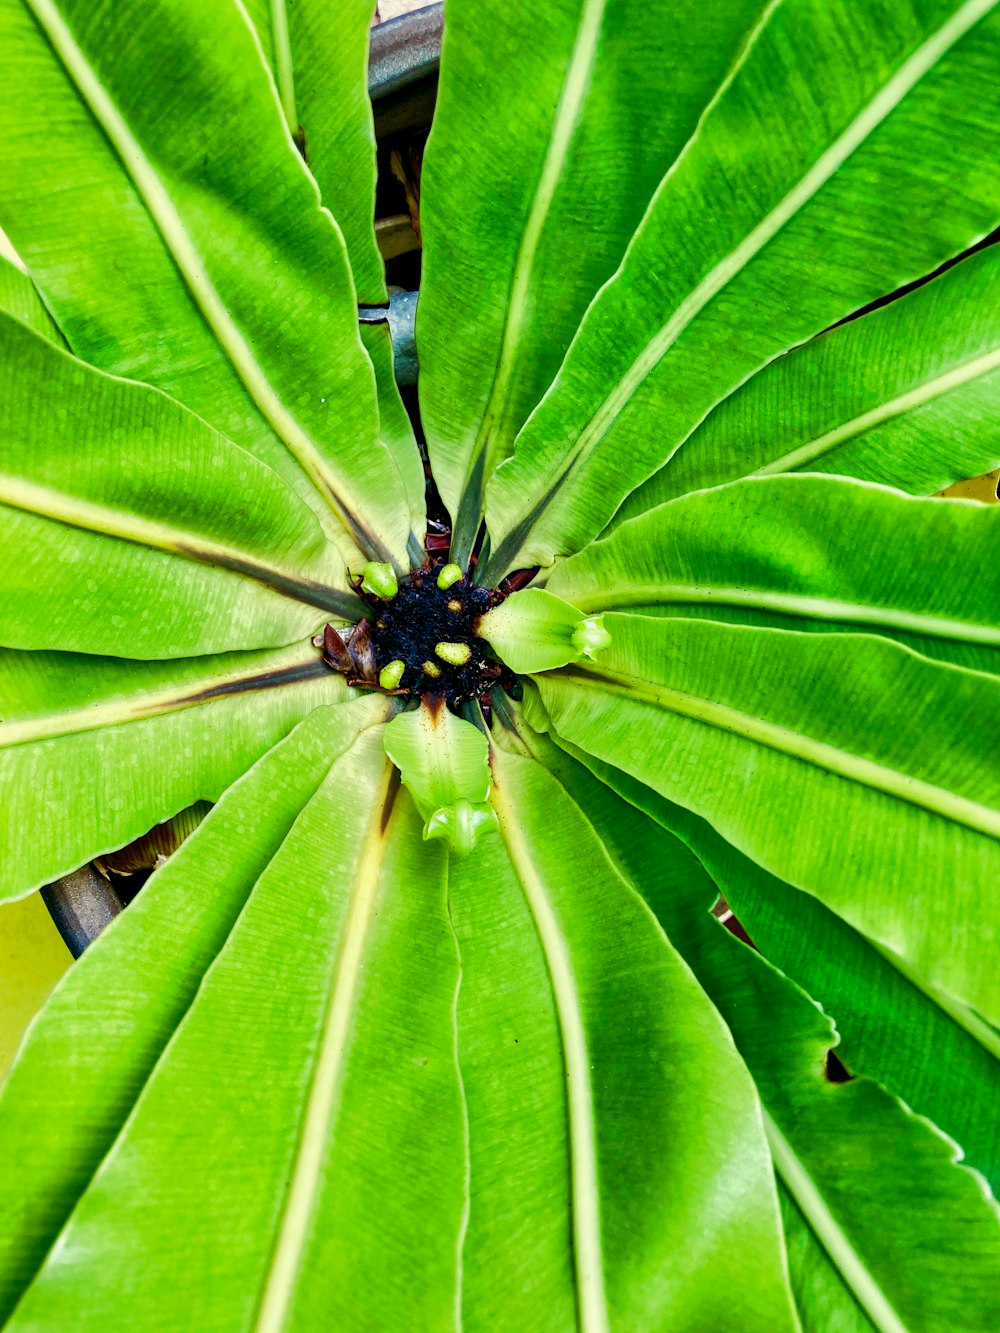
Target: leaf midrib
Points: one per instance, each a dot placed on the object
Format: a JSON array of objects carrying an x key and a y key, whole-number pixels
[
  {"x": 828, "y": 1231},
  {"x": 44, "y": 502},
  {"x": 321, "y": 1105},
  {"x": 140, "y": 706},
  {"x": 903, "y": 403},
  {"x": 864, "y": 124},
  {"x": 829, "y": 758},
  {"x": 792, "y": 604},
  {"x": 587, "y": 1254},
  {"x": 189, "y": 263}
]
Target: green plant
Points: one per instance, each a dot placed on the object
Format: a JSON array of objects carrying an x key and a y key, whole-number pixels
[{"x": 472, "y": 1048}]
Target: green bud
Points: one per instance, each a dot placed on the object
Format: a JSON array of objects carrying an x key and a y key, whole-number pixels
[
  {"x": 449, "y": 575},
  {"x": 457, "y": 654},
  {"x": 391, "y": 674},
  {"x": 432, "y": 669},
  {"x": 380, "y": 580},
  {"x": 590, "y": 636}
]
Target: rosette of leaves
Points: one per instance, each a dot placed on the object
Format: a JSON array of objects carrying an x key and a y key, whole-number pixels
[{"x": 327, "y": 1071}]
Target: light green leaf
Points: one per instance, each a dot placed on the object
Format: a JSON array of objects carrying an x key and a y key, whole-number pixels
[
  {"x": 646, "y": 1130},
  {"x": 19, "y": 297},
  {"x": 877, "y": 1185},
  {"x": 297, "y": 1089},
  {"x": 95, "y": 751},
  {"x": 761, "y": 730},
  {"x": 532, "y": 630},
  {"x": 444, "y": 764},
  {"x": 812, "y": 548},
  {"x": 907, "y": 396},
  {"x": 132, "y": 528},
  {"x": 179, "y": 239},
  {"x": 87, "y": 1057},
  {"x": 318, "y": 53},
  {"x": 502, "y": 213},
  {"x": 791, "y": 206}
]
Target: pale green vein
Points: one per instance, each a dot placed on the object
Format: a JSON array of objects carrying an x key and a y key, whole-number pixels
[
  {"x": 286, "y": 670},
  {"x": 284, "y": 68},
  {"x": 314, "y": 1144},
  {"x": 967, "y": 1019},
  {"x": 829, "y": 1232},
  {"x": 489, "y": 443},
  {"x": 790, "y": 604},
  {"x": 865, "y": 123},
  {"x": 583, "y": 1136},
  {"x": 877, "y": 416},
  {"x": 463, "y": 1227},
  {"x": 855, "y": 768},
  {"x": 43, "y": 502},
  {"x": 192, "y": 267}
]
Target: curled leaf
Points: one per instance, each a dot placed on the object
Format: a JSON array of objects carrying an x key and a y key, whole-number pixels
[
  {"x": 444, "y": 765},
  {"x": 534, "y": 630}
]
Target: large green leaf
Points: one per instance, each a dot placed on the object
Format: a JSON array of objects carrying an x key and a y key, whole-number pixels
[
  {"x": 318, "y": 53},
  {"x": 87, "y": 1057},
  {"x": 792, "y": 205},
  {"x": 815, "y": 548},
  {"x": 888, "y": 1020},
  {"x": 645, "y": 1130},
  {"x": 906, "y": 396},
  {"x": 582, "y": 81},
  {"x": 842, "y": 763},
  {"x": 94, "y": 751},
  {"x": 132, "y": 528},
  {"x": 878, "y": 1187},
  {"x": 297, "y": 1090},
  {"x": 179, "y": 239}
]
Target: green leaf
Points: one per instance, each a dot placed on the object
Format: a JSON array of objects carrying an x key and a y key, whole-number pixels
[
  {"x": 888, "y": 1021},
  {"x": 906, "y": 396},
  {"x": 95, "y": 751},
  {"x": 296, "y": 1091},
  {"x": 178, "y": 238},
  {"x": 501, "y": 211},
  {"x": 319, "y": 55},
  {"x": 87, "y": 1057},
  {"x": 757, "y": 729},
  {"x": 532, "y": 630},
  {"x": 791, "y": 206},
  {"x": 444, "y": 764},
  {"x": 132, "y": 528},
  {"x": 19, "y": 297},
  {"x": 647, "y": 1105},
  {"x": 877, "y": 1184},
  {"x": 812, "y": 548}
]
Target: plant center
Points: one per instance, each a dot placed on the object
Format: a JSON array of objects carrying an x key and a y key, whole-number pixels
[{"x": 422, "y": 640}]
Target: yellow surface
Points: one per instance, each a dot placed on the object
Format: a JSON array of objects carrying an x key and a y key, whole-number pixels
[{"x": 32, "y": 959}]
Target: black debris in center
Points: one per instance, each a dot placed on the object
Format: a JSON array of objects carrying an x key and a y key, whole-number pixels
[{"x": 411, "y": 628}]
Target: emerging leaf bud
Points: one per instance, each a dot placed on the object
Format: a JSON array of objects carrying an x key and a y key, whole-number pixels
[
  {"x": 432, "y": 669},
  {"x": 391, "y": 674},
  {"x": 456, "y": 654},
  {"x": 533, "y": 630},
  {"x": 449, "y": 575},
  {"x": 380, "y": 580},
  {"x": 590, "y": 636}
]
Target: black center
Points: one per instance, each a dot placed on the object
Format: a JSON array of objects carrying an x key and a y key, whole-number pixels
[{"x": 421, "y": 616}]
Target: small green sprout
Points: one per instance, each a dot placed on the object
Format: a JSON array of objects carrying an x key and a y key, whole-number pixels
[
  {"x": 379, "y": 579},
  {"x": 449, "y": 575},
  {"x": 391, "y": 674},
  {"x": 432, "y": 669},
  {"x": 456, "y": 654}
]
